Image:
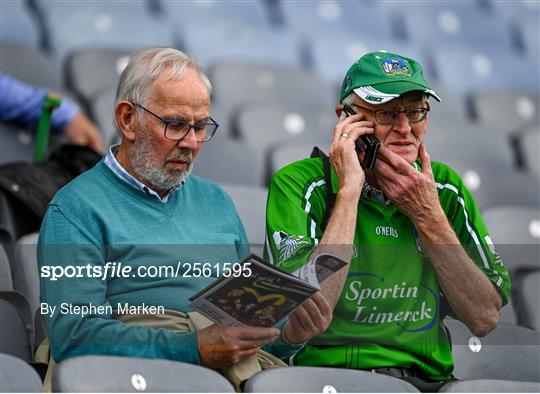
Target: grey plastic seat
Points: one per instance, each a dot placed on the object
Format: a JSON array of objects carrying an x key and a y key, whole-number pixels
[
  {"x": 90, "y": 71},
  {"x": 18, "y": 24},
  {"x": 530, "y": 145},
  {"x": 289, "y": 152},
  {"x": 265, "y": 125},
  {"x": 16, "y": 376},
  {"x": 509, "y": 353},
  {"x": 213, "y": 12},
  {"x": 326, "y": 16},
  {"x": 228, "y": 41},
  {"x": 326, "y": 380},
  {"x": 16, "y": 330},
  {"x": 112, "y": 24},
  {"x": 515, "y": 230},
  {"x": 490, "y": 386},
  {"x": 334, "y": 51},
  {"x": 102, "y": 109},
  {"x": 494, "y": 184},
  {"x": 506, "y": 111},
  {"x": 446, "y": 23},
  {"x": 237, "y": 84},
  {"x": 528, "y": 294},
  {"x": 470, "y": 69},
  {"x": 25, "y": 269},
  {"x": 250, "y": 202},
  {"x": 6, "y": 281},
  {"x": 448, "y": 139},
  {"x": 129, "y": 374},
  {"x": 30, "y": 65},
  {"x": 225, "y": 160}
]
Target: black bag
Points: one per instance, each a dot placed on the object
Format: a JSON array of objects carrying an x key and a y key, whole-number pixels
[{"x": 35, "y": 184}]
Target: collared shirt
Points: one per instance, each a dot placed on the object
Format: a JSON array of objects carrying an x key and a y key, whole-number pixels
[{"x": 121, "y": 173}]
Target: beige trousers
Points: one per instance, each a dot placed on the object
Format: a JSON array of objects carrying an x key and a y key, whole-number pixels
[{"x": 178, "y": 322}]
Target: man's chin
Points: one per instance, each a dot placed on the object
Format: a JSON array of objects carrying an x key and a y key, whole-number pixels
[{"x": 407, "y": 153}]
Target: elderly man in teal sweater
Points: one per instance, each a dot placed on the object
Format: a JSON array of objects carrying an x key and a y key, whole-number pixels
[{"x": 107, "y": 234}]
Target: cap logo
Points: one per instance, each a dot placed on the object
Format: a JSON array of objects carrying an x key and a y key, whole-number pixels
[
  {"x": 375, "y": 99},
  {"x": 347, "y": 83},
  {"x": 395, "y": 67}
]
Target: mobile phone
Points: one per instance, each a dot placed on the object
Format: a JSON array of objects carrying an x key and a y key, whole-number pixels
[{"x": 367, "y": 146}]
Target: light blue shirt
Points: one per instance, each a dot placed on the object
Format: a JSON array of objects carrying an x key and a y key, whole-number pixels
[{"x": 121, "y": 173}]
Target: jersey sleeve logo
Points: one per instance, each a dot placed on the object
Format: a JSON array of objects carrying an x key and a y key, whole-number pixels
[{"x": 288, "y": 245}]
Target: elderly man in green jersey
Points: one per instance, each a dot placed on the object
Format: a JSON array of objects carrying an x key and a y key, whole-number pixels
[{"x": 409, "y": 228}]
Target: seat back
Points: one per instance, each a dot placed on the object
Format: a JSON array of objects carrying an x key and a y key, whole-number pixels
[
  {"x": 6, "y": 280},
  {"x": 25, "y": 269},
  {"x": 490, "y": 386},
  {"x": 16, "y": 332},
  {"x": 17, "y": 376},
  {"x": 326, "y": 380},
  {"x": 528, "y": 294},
  {"x": 515, "y": 230},
  {"x": 129, "y": 374},
  {"x": 509, "y": 352}
]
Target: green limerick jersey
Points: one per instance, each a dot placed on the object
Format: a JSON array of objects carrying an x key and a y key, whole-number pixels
[{"x": 389, "y": 312}]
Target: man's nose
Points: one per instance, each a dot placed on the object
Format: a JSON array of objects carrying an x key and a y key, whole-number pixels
[
  {"x": 402, "y": 124},
  {"x": 189, "y": 141}
]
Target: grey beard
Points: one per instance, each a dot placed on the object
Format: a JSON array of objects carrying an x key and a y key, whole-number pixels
[{"x": 158, "y": 176}]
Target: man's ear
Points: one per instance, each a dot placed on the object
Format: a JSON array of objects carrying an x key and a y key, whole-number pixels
[
  {"x": 339, "y": 109},
  {"x": 126, "y": 119}
]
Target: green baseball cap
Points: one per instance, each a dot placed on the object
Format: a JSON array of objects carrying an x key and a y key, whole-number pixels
[{"x": 378, "y": 77}]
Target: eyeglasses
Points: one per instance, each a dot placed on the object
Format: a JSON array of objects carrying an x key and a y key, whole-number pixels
[
  {"x": 389, "y": 116},
  {"x": 178, "y": 129}
]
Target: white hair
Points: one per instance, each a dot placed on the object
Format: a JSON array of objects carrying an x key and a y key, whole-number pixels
[{"x": 146, "y": 65}]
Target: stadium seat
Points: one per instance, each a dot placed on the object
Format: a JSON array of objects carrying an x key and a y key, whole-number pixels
[
  {"x": 16, "y": 376},
  {"x": 335, "y": 15},
  {"x": 18, "y": 24},
  {"x": 325, "y": 380},
  {"x": 470, "y": 69},
  {"x": 250, "y": 202},
  {"x": 333, "y": 52},
  {"x": 40, "y": 331},
  {"x": 237, "y": 84},
  {"x": 448, "y": 139},
  {"x": 30, "y": 65},
  {"x": 529, "y": 143},
  {"x": 228, "y": 41},
  {"x": 129, "y": 374},
  {"x": 102, "y": 110},
  {"x": 490, "y": 386},
  {"x": 265, "y": 125},
  {"x": 453, "y": 104},
  {"x": 448, "y": 24},
  {"x": 16, "y": 330},
  {"x": 17, "y": 144},
  {"x": 291, "y": 151},
  {"x": 91, "y": 71},
  {"x": 494, "y": 184},
  {"x": 515, "y": 230},
  {"x": 528, "y": 293},
  {"x": 6, "y": 281},
  {"x": 509, "y": 353},
  {"x": 529, "y": 33},
  {"x": 225, "y": 160},
  {"x": 25, "y": 269},
  {"x": 111, "y": 24},
  {"x": 214, "y": 12},
  {"x": 505, "y": 111}
]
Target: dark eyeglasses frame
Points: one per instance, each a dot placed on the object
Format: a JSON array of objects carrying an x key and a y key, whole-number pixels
[
  {"x": 191, "y": 126},
  {"x": 374, "y": 112}
]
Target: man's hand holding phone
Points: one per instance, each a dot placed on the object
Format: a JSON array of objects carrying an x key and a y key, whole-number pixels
[{"x": 343, "y": 155}]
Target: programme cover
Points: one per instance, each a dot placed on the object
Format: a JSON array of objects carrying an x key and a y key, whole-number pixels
[{"x": 260, "y": 297}]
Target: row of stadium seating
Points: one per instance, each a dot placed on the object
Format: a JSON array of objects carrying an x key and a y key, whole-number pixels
[{"x": 92, "y": 374}]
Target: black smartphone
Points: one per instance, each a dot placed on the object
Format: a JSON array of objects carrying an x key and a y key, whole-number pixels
[{"x": 367, "y": 146}]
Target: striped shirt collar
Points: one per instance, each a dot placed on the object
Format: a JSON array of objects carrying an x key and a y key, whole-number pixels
[{"x": 120, "y": 172}]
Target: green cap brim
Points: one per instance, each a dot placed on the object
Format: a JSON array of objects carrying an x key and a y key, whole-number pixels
[{"x": 383, "y": 92}]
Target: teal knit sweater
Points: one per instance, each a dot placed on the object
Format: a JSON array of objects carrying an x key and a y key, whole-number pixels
[{"x": 98, "y": 218}]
